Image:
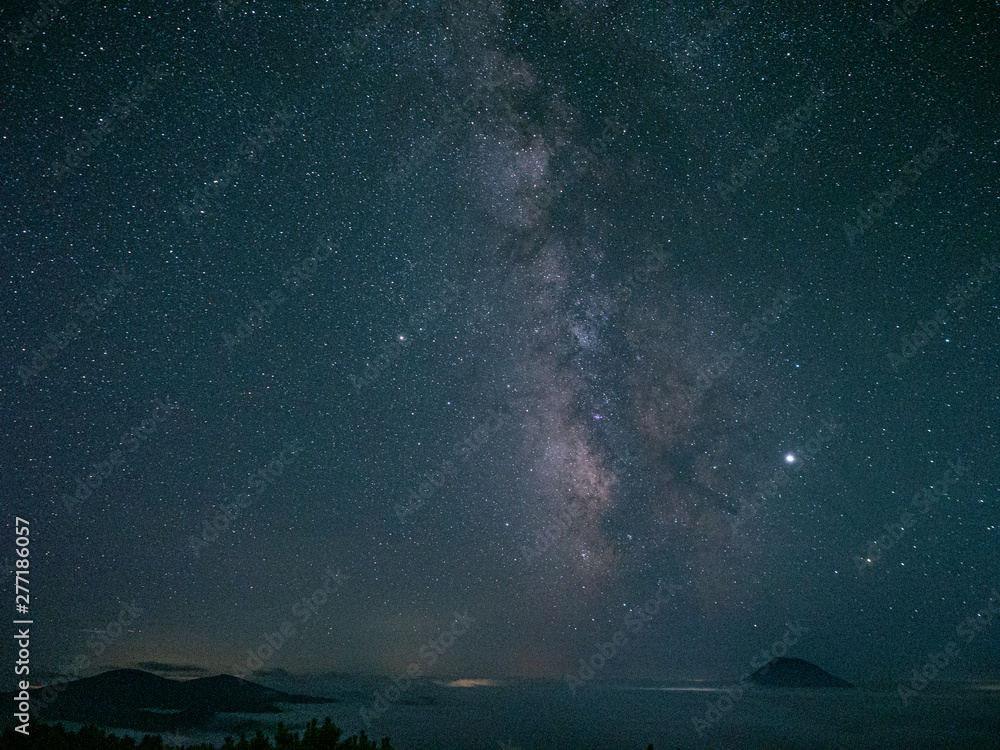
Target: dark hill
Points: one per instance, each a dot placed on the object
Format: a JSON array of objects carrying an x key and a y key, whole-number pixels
[
  {"x": 133, "y": 699},
  {"x": 225, "y": 690},
  {"x": 786, "y": 672}
]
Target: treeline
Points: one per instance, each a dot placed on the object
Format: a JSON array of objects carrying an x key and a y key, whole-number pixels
[{"x": 325, "y": 736}]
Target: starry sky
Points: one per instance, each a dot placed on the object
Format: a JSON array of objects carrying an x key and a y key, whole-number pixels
[{"x": 518, "y": 311}]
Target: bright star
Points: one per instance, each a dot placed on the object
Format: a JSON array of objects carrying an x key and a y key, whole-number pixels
[{"x": 790, "y": 458}]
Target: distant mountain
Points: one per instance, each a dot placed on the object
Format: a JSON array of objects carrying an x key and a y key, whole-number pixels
[
  {"x": 133, "y": 699},
  {"x": 786, "y": 672}
]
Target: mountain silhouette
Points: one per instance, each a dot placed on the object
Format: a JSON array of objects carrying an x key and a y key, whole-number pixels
[
  {"x": 787, "y": 672},
  {"x": 133, "y": 699}
]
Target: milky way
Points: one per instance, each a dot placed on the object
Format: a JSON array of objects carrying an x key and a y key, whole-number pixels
[{"x": 633, "y": 447}]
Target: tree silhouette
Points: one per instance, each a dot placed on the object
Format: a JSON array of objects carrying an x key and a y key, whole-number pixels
[{"x": 325, "y": 736}]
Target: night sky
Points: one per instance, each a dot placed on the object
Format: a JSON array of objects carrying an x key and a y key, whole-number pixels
[{"x": 526, "y": 313}]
